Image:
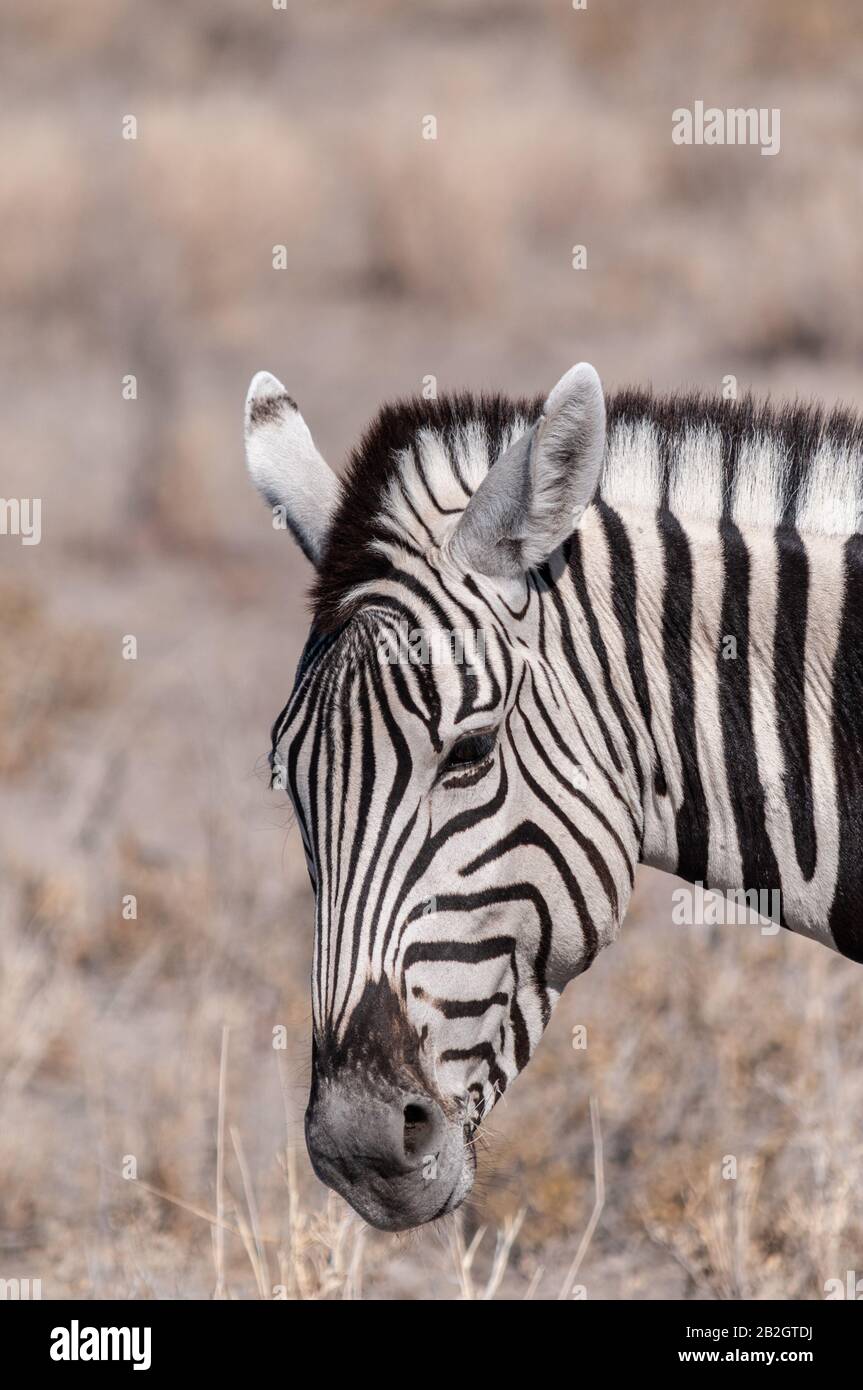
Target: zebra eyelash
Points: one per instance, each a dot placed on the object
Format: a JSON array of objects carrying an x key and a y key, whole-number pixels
[
  {"x": 471, "y": 757},
  {"x": 470, "y": 778}
]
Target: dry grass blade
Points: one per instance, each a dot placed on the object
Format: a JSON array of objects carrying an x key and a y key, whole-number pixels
[
  {"x": 598, "y": 1202},
  {"x": 219, "y": 1232},
  {"x": 503, "y": 1248},
  {"x": 188, "y": 1207},
  {"x": 258, "y": 1256},
  {"x": 463, "y": 1256}
]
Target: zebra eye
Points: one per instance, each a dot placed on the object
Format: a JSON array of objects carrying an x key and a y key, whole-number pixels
[{"x": 473, "y": 748}]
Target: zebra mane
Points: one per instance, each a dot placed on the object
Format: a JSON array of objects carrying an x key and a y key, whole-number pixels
[{"x": 752, "y": 462}]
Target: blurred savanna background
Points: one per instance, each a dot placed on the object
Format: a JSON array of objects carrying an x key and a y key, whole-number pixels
[{"x": 150, "y": 1133}]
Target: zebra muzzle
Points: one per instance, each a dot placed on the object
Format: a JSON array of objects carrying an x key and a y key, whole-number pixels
[{"x": 394, "y": 1155}]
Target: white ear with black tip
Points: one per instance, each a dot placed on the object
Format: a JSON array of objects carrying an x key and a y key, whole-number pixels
[{"x": 285, "y": 466}]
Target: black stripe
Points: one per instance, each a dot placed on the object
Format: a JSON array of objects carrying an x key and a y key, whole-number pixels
[
  {"x": 456, "y": 825},
  {"x": 573, "y": 549},
  {"x": 789, "y": 676},
  {"x": 566, "y": 783},
  {"x": 624, "y": 594},
  {"x": 587, "y": 847},
  {"x": 528, "y": 834},
  {"x": 692, "y": 816},
  {"x": 395, "y": 796},
  {"x": 489, "y": 947},
  {"x": 486, "y": 1053},
  {"x": 570, "y": 655},
  {"x": 760, "y": 869},
  {"x": 846, "y": 912},
  {"x": 462, "y": 1008}
]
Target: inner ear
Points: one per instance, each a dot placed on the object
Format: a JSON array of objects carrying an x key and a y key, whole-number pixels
[
  {"x": 286, "y": 467},
  {"x": 536, "y": 493}
]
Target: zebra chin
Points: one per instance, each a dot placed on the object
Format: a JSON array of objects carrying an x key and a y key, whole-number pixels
[{"x": 393, "y": 1153}]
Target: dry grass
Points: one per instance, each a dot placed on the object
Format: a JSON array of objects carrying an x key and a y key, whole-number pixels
[{"x": 406, "y": 257}]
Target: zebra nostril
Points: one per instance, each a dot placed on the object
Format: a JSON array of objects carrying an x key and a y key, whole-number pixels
[{"x": 418, "y": 1126}]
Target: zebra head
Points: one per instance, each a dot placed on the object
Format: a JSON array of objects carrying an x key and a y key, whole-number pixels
[{"x": 468, "y": 849}]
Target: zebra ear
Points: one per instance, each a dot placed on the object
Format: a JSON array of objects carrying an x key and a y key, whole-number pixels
[
  {"x": 286, "y": 467},
  {"x": 536, "y": 492}
]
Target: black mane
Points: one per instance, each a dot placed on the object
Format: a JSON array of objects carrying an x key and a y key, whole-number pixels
[{"x": 349, "y": 561}]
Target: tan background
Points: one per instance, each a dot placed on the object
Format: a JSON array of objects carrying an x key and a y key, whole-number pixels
[{"x": 405, "y": 257}]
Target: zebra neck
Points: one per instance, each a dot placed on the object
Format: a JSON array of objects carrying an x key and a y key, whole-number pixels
[{"x": 723, "y": 643}]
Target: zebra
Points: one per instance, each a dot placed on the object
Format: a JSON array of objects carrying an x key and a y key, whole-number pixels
[{"x": 669, "y": 596}]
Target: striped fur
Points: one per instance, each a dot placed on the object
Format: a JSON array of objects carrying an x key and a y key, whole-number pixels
[{"x": 452, "y": 906}]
